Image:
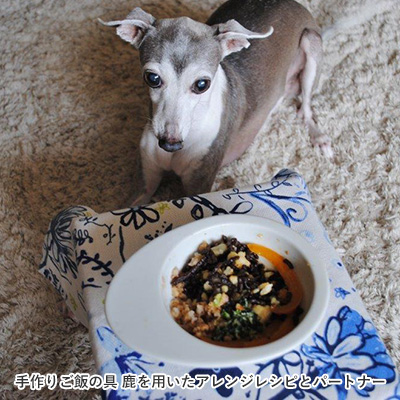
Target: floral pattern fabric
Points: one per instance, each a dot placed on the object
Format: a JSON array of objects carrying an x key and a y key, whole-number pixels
[{"x": 83, "y": 250}]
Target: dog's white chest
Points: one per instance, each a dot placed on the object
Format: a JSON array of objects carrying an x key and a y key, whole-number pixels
[{"x": 189, "y": 158}]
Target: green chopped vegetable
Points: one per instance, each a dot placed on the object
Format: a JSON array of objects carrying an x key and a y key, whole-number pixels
[
  {"x": 225, "y": 315},
  {"x": 240, "y": 324}
]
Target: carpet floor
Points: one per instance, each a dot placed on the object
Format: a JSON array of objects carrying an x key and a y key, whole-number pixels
[{"x": 72, "y": 109}]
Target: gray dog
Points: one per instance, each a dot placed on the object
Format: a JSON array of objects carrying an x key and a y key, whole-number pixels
[{"x": 212, "y": 91}]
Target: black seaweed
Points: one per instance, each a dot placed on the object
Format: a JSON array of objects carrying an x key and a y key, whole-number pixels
[{"x": 244, "y": 321}]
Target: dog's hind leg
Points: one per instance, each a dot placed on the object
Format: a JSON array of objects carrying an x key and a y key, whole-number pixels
[{"x": 309, "y": 63}]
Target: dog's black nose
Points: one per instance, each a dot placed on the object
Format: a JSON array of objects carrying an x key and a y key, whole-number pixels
[{"x": 170, "y": 146}]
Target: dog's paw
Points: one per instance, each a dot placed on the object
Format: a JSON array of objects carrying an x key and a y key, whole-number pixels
[
  {"x": 141, "y": 200},
  {"x": 299, "y": 111},
  {"x": 323, "y": 142}
]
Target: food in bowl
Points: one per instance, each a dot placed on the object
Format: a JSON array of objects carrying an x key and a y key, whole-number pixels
[{"x": 225, "y": 294}]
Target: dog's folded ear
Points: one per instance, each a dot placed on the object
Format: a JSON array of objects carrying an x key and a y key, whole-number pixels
[
  {"x": 235, "y": 37},
  {"x": 133, "y": 28}
]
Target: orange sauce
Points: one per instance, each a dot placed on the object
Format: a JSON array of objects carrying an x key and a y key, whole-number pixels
[{"x": 288, "y": 275}]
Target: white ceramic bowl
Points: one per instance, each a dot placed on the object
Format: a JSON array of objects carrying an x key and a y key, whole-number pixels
[{"x": 137, "y": 302}]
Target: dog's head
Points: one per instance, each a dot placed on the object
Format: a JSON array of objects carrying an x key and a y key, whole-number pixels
[{"x": 180, "y": 58}]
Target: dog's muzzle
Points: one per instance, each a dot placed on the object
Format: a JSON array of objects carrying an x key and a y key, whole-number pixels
[{"x": 170, "y": 146}]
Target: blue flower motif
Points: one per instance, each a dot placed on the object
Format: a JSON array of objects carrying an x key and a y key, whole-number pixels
[
  {"x": 52, "y": 277},
  {"x": 96, "y": 264},
  {"x": 81, "y": 236},
  {"x": 340, "y": 292},
  {"x": 289, "y": 364},
  {"x": 325, "y": 233},
  {"x": 137, "y": 216},
  {"x": 350, "y": 345},
  {"x": 290, "y": 207},
  {"x": 337, "y": 263},
  {"x": 59, "y": 244},
  {"x": 108, "y": 234},
  {"x": 204, "y": 207},
  {"x": 308, "y": 235},
  {"x": 124, "y": 360},
  {"x": 396, "y": 394}
]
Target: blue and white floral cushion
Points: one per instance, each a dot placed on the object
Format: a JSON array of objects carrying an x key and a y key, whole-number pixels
[{"x": 83, "y": 251}]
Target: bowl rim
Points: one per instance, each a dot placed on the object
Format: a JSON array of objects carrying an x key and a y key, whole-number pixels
[{"x": 221, "y": 356}]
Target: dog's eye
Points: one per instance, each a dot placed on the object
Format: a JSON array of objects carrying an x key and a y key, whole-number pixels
[
  {"x": 201, "y": 86},
  {"x": 152, "y": 79}
]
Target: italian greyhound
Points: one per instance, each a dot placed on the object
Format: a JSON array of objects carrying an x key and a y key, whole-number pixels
[{"x": 213, "y": 85}]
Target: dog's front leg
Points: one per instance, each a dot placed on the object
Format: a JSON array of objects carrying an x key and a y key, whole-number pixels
[
  {"x": 148, "y": 177},
  {"x": 199, "y": 176},
  {"x": 148, "y": 173},
  {"x": 197, "y": 183}
]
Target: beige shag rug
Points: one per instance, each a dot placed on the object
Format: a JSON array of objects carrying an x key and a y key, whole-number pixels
[{"x": 72, "y": 108}]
